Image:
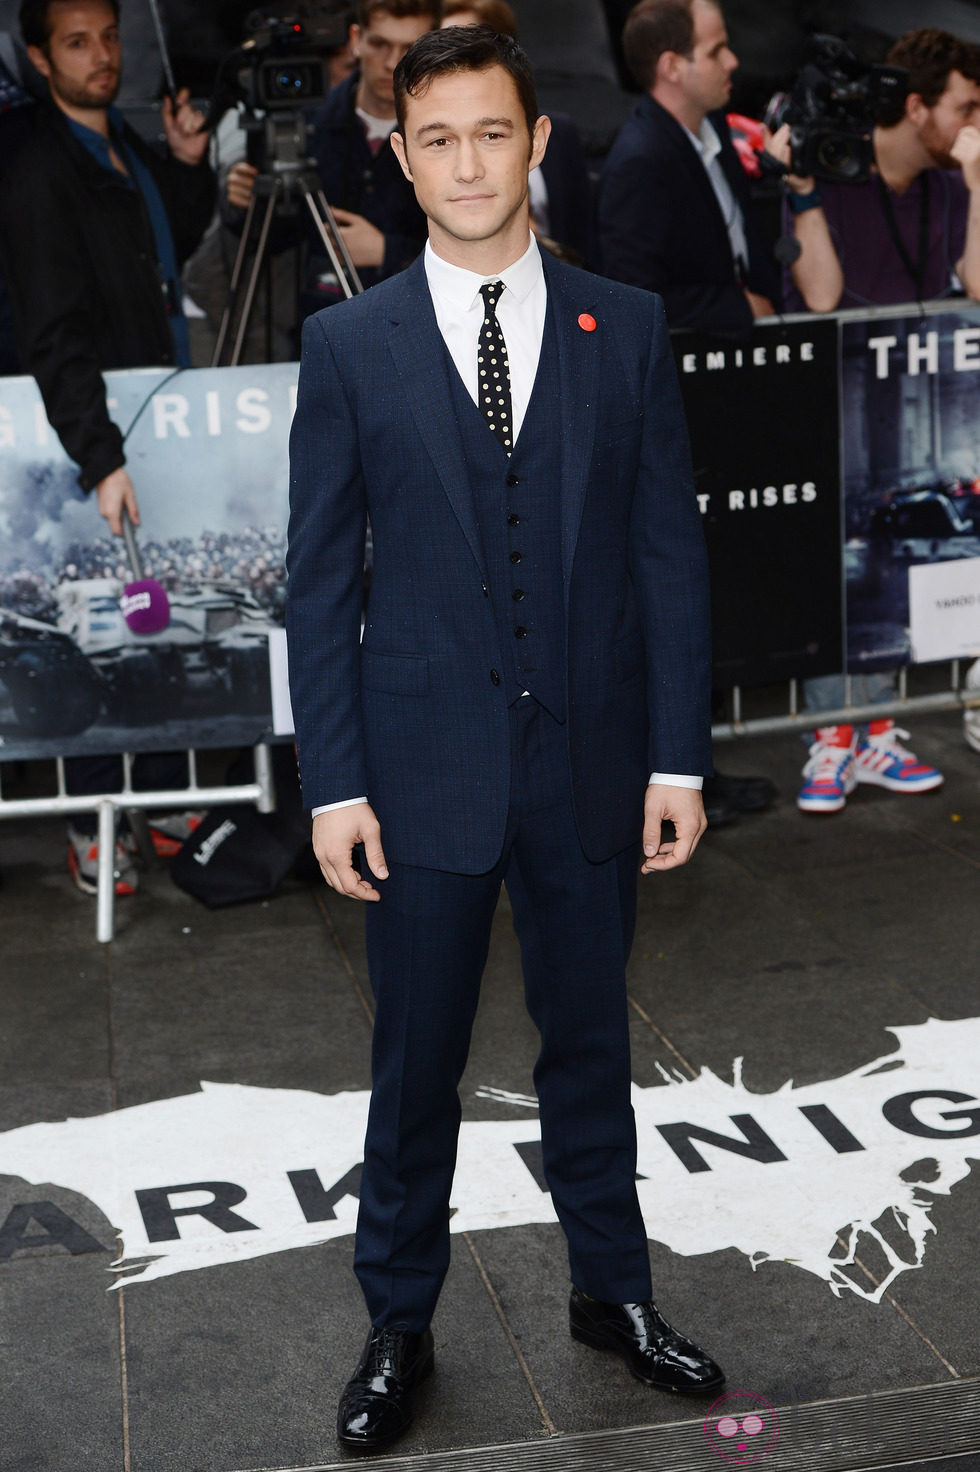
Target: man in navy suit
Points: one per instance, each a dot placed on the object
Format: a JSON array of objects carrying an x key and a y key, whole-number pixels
[
  {"x": 528, "y": 704},
  {"x": 674, "y": 211}
]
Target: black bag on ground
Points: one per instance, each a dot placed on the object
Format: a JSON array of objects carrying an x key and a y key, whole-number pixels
[{"x": 238, "y": 853}]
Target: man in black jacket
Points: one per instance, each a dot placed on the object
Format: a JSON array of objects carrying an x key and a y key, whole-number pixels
[
  {"x": 93, "y": 227},
  {"x": 674, "y": 210}
]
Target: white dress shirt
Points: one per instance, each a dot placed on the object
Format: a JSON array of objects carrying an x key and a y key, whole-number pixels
[
  {"x": 707, "y": 145},
  {"x": 460, "y": 310}
]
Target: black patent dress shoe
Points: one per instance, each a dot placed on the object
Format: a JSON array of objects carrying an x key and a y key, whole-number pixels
[
  {"x": 376, "y": 1406},
  {"x": 745, "y": 794},
  {"x": 654, "y": 1352}
]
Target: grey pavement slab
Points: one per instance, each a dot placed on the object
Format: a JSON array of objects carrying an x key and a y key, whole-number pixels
[
  {"x": 777, "y": 1331},
  {"x": 62, "y": 1403},
  {"x": 939, "y": 1296},
  {"x": 265, "y": 1001},
  {"x": 243, "y": 1366}
]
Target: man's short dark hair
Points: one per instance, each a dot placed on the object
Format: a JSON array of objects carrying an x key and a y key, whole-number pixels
[
  {"x": 35, "y": 26},
  {"x": 929, "y": 56},
  {"x": 653, "y": 27},
  {"x": 399, "y": 9},
  {"x": 463, "y": 49}
]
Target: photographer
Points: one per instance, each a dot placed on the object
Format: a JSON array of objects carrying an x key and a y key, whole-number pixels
[
  {"x": 910, "y": 232},
  {"x": 374, "y": 204},
  {"x": 93, "y": 226}
]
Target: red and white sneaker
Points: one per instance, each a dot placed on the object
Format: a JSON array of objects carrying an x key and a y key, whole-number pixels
[
  {"x": 883, "y": 761},
  {"x": 170, "y": 831},
  {"x": 83, "y": 864},
  {"x": 829, "y": 773}
]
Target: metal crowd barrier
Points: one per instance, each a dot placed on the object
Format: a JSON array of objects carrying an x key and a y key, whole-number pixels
[
  {"x": 956, "y": 696},
  {"x": 107, "y": 804}
]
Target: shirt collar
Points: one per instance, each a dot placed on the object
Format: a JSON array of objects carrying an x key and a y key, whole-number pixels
[
  {"x": 706, "y": 141},
  {"x": 461, "y": 288},
  {"x": 94, "y": 140}
]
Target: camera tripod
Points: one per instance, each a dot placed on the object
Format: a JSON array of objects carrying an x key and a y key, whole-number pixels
[{"x": 291, "y": 181}]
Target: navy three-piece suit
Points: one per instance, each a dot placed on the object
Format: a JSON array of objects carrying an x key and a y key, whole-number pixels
[{"x": 536, "y": 644}]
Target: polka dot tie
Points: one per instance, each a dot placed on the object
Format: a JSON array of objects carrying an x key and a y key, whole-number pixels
[{"x": 493, "y": 373}]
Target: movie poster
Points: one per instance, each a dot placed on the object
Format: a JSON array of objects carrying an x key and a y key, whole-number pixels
[
  {"x": 910, "y": 454},
  {"x": 763, "y": 423},
  {"x": 207, "y": 451}
]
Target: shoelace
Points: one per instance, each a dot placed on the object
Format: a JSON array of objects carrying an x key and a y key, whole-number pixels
[
  {"x": 889, "y": 740},
  {"x": 825, "y": 761},
  {"x": 386, "y": 1355}
]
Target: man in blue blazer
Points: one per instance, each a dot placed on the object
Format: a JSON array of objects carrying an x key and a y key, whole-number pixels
[{"x": 528, "y": 704}]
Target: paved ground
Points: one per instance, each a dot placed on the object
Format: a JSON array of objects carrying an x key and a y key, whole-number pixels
[{"x": 793, "y": 943}]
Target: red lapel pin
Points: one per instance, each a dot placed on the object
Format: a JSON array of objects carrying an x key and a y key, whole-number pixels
[{"x": 587, "y": 322}]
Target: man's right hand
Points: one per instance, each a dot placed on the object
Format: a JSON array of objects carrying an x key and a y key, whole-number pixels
[
  {"x": 241, "y": 185},
  {"x": 335, "y": 835},
  {"x": 113, "y": 493}
]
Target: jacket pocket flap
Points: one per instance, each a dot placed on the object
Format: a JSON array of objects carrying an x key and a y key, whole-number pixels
[{"x": 394, "y": 674}]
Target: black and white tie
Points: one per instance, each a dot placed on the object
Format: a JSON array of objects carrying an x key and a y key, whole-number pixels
[{"x": 493, "y": 372}]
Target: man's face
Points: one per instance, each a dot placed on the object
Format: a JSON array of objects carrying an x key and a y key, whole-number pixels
[
  {"x": 938, "y": 125},
  {"x": 467, "y": 151},
  {"x": 706, "y": 75},
  {"x": 380, "y": 46},
  {"x": 82, "y": 59}
]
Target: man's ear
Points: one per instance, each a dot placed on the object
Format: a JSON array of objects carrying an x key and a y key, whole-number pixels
[
  {"x": 667, "y": 68},
  {"x": 38, "y": 60},
  {"x": 915, "y": 108},
  {"x": 539, "y": 141},
  {"x": 398, "y": 149},
  {"x": 354, "y": 37}
]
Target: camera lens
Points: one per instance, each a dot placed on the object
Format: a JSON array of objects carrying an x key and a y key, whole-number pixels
[
  {"x": 290, "y": 82},
  {"x": 839, "y": 156}
]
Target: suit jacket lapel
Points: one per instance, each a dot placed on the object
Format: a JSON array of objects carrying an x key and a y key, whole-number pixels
[
  {"x": 416, "y": 344},
  {"x": 579, "y": 352}
]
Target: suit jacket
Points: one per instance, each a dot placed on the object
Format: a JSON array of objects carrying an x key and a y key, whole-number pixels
[
  {"x": 413, "y": 716},
  {"x": 661, "y": 227}
]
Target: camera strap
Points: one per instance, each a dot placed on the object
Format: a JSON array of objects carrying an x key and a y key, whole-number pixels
[{"x": 916, "y": 270}]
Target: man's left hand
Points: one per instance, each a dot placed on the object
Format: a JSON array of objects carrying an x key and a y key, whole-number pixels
[
  {"x": 966, "y": 151},
  {"x": 364, "y": 240},
  {"x": 684, "y": 808},
  {"x": 184, "y": 127}
]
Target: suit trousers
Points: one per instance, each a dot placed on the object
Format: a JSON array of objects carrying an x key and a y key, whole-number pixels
[{"x": 427, "y": 944}]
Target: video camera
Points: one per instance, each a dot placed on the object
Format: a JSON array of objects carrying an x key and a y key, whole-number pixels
[
  {"x": 832, "y": 110},
  {"x": 280, "y": 65}
]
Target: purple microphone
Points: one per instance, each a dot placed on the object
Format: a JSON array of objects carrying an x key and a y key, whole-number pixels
[{"x": 144, "y": 603}]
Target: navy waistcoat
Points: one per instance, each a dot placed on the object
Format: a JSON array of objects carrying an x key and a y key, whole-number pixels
[{"x": 518, "y": 508}]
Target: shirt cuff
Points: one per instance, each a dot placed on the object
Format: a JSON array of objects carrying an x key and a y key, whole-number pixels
[
  {"x": 675, "y": 779},
  {"x": 331, "y": 807}
]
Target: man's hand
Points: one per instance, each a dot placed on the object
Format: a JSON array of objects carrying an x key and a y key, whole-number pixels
[
  {"x": 966, "y": 151},
  {"x": 184, "y": 128},
  {"x": 778, "y": 146},
  {"x": 112, "y": 494},
  {"x": 684, "y": 808},
  {"x": 334, "y": 837},
  {"x": 761, "y": 305},
  {"x": 364, "y": 240},
  {"x": 241, "y": 185}
]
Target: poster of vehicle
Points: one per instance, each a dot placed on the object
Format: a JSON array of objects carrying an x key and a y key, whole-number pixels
[
  {"x": 207, "y": 452},
  {"x": 910, "y": 452}
]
